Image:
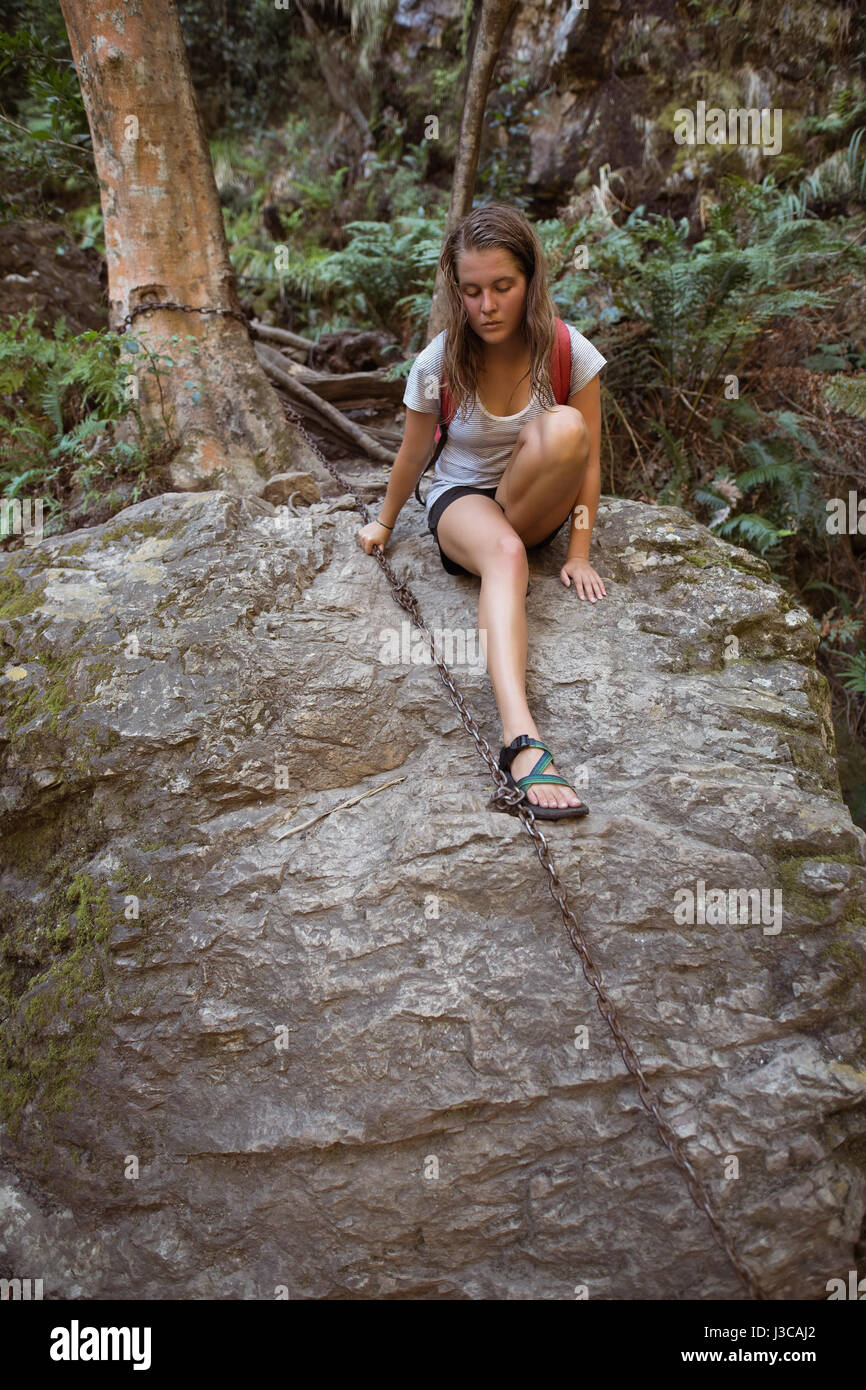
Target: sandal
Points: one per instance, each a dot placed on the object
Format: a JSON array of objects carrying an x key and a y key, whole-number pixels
[{"x": 537, "y": 775}]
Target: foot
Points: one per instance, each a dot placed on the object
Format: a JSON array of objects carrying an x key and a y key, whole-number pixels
[{"x": 551, "y": 794}]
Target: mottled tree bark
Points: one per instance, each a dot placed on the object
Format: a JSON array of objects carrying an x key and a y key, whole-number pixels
[
  {"x": 495, "y": 15},
  {"x": 165, "y": 240}
]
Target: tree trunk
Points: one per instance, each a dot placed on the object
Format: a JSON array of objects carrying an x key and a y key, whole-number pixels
[
  {"x": 165, "y": 240},
  {"x": 495, "y": 15}
]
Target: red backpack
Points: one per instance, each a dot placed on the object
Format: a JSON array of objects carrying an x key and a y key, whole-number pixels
[{"x": 560, "y": 380}]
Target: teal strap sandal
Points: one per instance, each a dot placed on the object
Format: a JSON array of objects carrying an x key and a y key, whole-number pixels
[{"x": 536, "y": 776}]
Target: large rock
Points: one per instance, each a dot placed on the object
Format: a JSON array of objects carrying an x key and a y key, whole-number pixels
[{"x": 346, "y": 1061}]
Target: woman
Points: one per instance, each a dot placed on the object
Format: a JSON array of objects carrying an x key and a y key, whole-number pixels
[{"x": 515, "y": 467}]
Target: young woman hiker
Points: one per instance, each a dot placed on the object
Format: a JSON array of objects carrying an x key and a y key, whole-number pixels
[{"x": 515, "y": 465}]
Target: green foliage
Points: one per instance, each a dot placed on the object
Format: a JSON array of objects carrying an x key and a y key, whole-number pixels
[
  {"x": 779, "y": 491},
  {"x": 246, "y": 59},
  {"x": 44, "y": 136},
  {"x": 568, "y": 285},
  {"x": 242, "y": 58},
  {"x": 847, "y": 394},
  {"x": 395, "y": 187},
  {"x": 325, "y": 283},
  {"x": 379, "y": 274},
  {"x": 705, "y": 304},
  {"x": 58, "y": 395},
  {"x": 86, "y": 225},
  {"x": 856, "y": 163},
  {"x": 702, "y": 309},
  {"x": 853, "y": 675},
  {"x": 757, "y": 531},
  {"x": 846, "y": 106},
  {"x": 505, "y": 150}
]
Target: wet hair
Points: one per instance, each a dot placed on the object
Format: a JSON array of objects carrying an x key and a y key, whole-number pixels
[{"x": 497, "y": 227}]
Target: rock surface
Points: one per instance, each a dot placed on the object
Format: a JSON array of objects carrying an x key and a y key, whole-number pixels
[
  {"x": 604, "y": 81},
  {"x": 347, "y": 1061}
]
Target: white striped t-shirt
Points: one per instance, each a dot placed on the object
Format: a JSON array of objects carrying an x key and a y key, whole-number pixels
[{"x": 479, "y": 444}]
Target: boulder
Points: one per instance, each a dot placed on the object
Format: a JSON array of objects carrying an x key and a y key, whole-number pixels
[{"x": 287, "y": 1007}]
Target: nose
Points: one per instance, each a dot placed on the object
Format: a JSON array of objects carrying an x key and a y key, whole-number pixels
[{"x": 488, "y": 304}]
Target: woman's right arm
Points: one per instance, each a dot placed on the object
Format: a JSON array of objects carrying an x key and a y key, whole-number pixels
[{"x": 411, "y": 460}]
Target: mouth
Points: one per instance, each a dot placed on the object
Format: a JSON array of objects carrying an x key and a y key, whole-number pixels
[{"x": 496, "y": 324}]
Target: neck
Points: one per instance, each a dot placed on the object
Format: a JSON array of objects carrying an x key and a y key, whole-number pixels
[{"x": 511, "y": 349}]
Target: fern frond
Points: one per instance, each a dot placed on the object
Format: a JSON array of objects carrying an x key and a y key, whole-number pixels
[
  {"x": 768, "y": 470},
  {"x": 853, "y": 675},
  {"x": 847, "y": 395},
  {"x": 51, "y": 399},
  {"x": 760, "y": 533}
]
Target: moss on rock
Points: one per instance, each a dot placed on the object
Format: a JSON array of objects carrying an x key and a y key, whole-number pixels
[
  {"x": 56, "y": 990},
  {"x": 15, "y": 600},
  {"x": 143, "y": 526}
]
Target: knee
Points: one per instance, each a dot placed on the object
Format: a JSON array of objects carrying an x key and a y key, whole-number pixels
[
  {"x": 507, "y": 556},
  {"x": 566, "y": 429}
]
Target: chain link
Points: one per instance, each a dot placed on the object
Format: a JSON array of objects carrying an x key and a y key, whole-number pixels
[
  {"x": 187, "y": 309},
  {"x": 512, "y": 800}
]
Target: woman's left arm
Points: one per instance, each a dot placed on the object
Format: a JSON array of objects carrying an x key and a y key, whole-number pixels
[{"x": 586, "y": 582}]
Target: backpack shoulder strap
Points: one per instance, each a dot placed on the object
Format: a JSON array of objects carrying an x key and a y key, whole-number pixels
[{"x": 560, "y": 363}]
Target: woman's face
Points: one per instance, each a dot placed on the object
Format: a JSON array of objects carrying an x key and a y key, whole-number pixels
[{"x": 493, "y": 289}]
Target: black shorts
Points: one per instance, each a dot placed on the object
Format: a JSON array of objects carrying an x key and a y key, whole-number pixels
[{"x": 442, "y": 502}]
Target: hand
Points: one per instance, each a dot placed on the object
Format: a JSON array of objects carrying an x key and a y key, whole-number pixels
[
  {"x": 587, "y": 583},
  {"x": 374, "y": 533}
]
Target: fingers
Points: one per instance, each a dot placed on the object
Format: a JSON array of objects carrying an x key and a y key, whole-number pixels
[
  {"x": 589, "y": 585},
  {"x": 368, "y": 545}
]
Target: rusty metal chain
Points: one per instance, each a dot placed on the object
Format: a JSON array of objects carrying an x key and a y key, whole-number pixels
[
  {"x": 187, "y": 309},
  {"x": 512, "y": 800}
]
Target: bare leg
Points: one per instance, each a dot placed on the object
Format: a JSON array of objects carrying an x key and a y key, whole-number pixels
[
  {"x": 540, "y": 485},
  {"x": 502, "y": 612}
]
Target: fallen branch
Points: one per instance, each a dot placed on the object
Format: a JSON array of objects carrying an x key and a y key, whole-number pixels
[
  {"x": 347, "y": 389},
  {"x": 281, "y": 335},
  {"x": 392, "y": 439},
  {"x": 296, "y": 829},
  {"x": 275, "y": 367}
]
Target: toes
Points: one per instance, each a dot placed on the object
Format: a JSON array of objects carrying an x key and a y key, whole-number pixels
[{"x": 548, "y": 796}]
